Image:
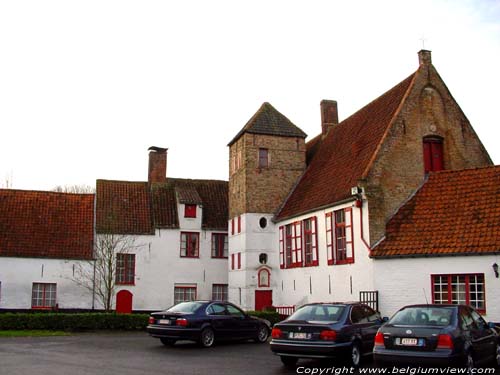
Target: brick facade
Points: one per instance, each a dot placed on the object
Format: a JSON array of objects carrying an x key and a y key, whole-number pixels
[{"x": 263, "y": 190}]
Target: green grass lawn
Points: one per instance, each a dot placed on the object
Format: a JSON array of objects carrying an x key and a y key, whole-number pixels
[{"x": 32, "y": 333}]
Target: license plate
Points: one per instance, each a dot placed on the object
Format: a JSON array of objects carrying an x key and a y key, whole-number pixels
[
  {"x": 409, "y": 342},
  {"x": 299, "y": 335},
  {"x": 164, "y": 321}
]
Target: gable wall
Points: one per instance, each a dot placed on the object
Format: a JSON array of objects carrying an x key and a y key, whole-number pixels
[{"x": 398, "y": 169}]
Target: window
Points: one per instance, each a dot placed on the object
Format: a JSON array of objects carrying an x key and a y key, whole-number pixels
[
  {"x": 232, "y": 261},
  {"x": 263, "y": 222},
  {"x": 190, "y": 244},
  {"x": 298, "y": 244},
  {"x": 190, "y": 210},
  {"x": 239, "y": 224},
  {"x": 232, "y": 226},
  {"x": 234, "y": 311},
  {"x": 264, "y": 277},
  {"x": 184, "y": 293},
  {"x": 43, "y": 296},
  {"x": 459, "y": 289},
  {"x": 216, "y": 309},
  {"x": 340, "y": 237},
  {"x": 433, "y": 154},
  {"x": 263, "y": 158},
  {"x": 239, "y": 261},
  {"x": 219, "y": 292},
  {"x": 125, "y": 268},
  {"x": 219, "y": 245}
]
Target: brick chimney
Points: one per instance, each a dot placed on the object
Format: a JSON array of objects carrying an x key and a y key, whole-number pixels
[
  {"x": 329, "y": 115},
  {"x": 424, "y": 57},
  {"x": 157, "y": 171}
]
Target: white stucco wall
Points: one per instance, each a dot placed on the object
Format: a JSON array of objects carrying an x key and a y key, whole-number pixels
[
  {"x": 407, "y": 281},
  {"x": 17, "y": 276},
  {"x": 296, "y": 286}
]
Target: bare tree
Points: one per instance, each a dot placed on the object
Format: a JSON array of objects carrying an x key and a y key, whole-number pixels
[
  {"x": 7, "y": 181},
  {"x": 75, "y": 189},
  {"x": 99, "y": 274}
]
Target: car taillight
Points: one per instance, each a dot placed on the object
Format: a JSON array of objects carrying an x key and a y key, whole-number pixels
[
  {"x": 181, "y": 322},
  {"x": 276, "y": 333},
  {"x": 445, "y": 342},
  {"x": 328, "y": 335},
  {"x": 379, "y": 339},
  {"x": 151, "y": 320}
]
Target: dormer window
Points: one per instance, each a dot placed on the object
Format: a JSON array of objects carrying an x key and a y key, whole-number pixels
[
  {"x": 433, "y": 154},
  {"x": 190, "y": 210}
]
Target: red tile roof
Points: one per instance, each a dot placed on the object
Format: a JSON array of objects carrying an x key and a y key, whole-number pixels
[
  {"x": 138, "y": 208},
  {"x": 345, "y": 154},
  {"x": 46, "y": 224},
  {"x": 454, "y": 212}
]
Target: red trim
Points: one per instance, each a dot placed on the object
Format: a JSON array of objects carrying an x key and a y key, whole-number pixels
[
  {"x": 128, "y": 269},
  {"x": 189, "y": 250},
  {"x": 239, "y": 224},
  {"x": 190, "y": 210},
  {"x": 239, "y": 261},
  {"x": 232, "y": 261},
  {"x": 329, "y": 237},
  {"x": 467, "y": 287},
  {"x": 232, "y": 226},
  {"x": 44, "y": 297},
  {"x": 313, "y": 233},
  {"x": 219, "y": 240},
  {"x": 343, "y": 227},
  {"x": 282, "y": 247}
]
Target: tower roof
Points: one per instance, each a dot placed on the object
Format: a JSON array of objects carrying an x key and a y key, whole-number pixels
[{"x": 269, "y": 121}]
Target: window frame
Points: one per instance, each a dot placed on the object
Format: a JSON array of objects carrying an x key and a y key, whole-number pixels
[
  {"x": 467, "y": 290},
  {"x": 217, "y": 252},
  {"x": 188, "y": 248},
  {"x": 292, "y": 243},
  {"x": 190, "y": 211},
  {"x": 125, "y": 274},
  {"x": 224, "y": 292},
  {"x": 185, "y": 289},
  {"x": 263, "y": 157},
  {"x": 333, "y": 227},
  {"x": 52, "y": 302},
  {"x": 264, "y": 285},
  {"x": 313, "y": 233}
]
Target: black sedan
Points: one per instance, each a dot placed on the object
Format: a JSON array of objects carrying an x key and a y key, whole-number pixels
[
  {"x": 326, "y": 330},
  {"x": 205, "y": 322},
  {"x": 437, "y": 335}
]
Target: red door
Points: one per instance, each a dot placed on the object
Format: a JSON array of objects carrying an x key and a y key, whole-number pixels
[
  {"x": 433, "y": 155},
  {"x": 124, "y": 302},
  {"x": 263, "y": 298}
]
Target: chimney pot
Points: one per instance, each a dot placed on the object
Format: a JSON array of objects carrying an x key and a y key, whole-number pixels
[
  {"x": 157, "y": 170},
  {"x": 424, "y": 57},
  {"x": 329, "y": 115}
]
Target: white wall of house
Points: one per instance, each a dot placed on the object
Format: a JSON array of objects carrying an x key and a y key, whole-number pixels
[
  {"x": 404, "y": 281},
  {"x": 17, "y": 276},
  {"x": 159, "y": 267},
  {"x": 343, "y": 282}
]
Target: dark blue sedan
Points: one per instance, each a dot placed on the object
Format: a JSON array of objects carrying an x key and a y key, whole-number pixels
[
  {"x": 205, "y": 322},
  {"x": 326, "y": 330}
]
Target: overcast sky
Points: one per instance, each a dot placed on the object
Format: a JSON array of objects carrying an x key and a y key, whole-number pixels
[{"x": 87, "y": 86}]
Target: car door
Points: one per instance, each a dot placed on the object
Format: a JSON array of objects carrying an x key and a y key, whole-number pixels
[
  {"x": 219, "y": 319},
  {"x": 483, "y": 339},
  {"x": 366, "y": 322},
  {"x": 242, "y": 326}
]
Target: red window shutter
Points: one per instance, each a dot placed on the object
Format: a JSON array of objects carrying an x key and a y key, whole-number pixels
[
  {"x": 427, "y": 157},
  {"x": 437, "y": 156},
  {"x": 232, "y": 261},
  {"x": 232, "y": 226},
  {"x": 282, "y": 247},
  {"x": 190, "y": 210},
  {"x": 239, "y": 260},
  {"x": 239, "y": 224}
]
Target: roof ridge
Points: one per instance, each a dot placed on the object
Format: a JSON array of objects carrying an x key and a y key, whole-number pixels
[{"x": 44, "y": 191}]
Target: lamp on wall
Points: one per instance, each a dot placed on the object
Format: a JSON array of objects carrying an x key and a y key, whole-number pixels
[{"x": 495, "y": 269}]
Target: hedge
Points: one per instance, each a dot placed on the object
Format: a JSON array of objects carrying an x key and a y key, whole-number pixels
[{"x": 73, "y": 322}]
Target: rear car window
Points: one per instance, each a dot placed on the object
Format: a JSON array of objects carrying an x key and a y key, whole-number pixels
[
  {"x": 185, "y": 307},
  {"x": 423, "y": 316},
  {"x": 323, "y": 313}
]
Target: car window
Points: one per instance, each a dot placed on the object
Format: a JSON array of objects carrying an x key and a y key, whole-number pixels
[
  {"x": 186, "y": 307},
  {"x": 466, "y": 320},
  {"x": 423, "y": 316},
  {"x": 324, "y": 313},
  {"x": 234, "y": 311},
  {"x": 370, "y": 314},
  {"x": 357, "y": 315},
  {"x": 478, "y": 320},
  {"x": 216, "y": 309}
]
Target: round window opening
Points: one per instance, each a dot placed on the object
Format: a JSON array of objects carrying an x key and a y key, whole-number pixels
[
  {"x": 263, "y": 222},
  {"x": 262, "y": 258}
]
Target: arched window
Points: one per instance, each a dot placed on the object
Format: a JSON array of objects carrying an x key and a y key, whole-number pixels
[
  {"x": 433, "y": 154},
  {"x": 264, "y": 278}
]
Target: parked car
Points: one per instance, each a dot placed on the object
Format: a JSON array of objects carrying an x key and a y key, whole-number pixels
[
  {"x": 437, "y": 335},
  {"x": 205, "y": 322},
  {"x": 326, "y": 330}
]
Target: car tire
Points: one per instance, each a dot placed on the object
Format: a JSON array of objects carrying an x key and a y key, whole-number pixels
[
  {"x": 167, "y": 342},
  {"x": 355, "y": 357},
  {"x": 470, "y": 363},
  {"x": 289, "y": 362},
  {"x": 262, "y": 334},
  {"x": 207, "y": 337}
]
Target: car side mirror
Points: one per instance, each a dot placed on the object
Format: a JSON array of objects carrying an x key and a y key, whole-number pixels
[
  {"x": 492, "y": 325},
  {"x": 385, "y": 319}
]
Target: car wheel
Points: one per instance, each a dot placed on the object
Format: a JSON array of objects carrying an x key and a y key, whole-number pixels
[
  {"x": 355, "y": 359},
  {"x": 207, "y": 337},
  {"x": 470, "y": 363},
  {"x": 167, "y": 342},
  {"x": 289, "y": 361},
  {"x": 262, "y": 334}
]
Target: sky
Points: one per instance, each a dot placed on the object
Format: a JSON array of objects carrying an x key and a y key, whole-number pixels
[{"x": 87, "y": 86}]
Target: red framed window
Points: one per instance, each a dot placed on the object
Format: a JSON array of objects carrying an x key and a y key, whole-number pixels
[
  {"x": 339, "y": 230},
  {"x": 433, "y": 154},
  {"x": 310, "y": 242},
  {"x": 232, "y": 261},
  {"x": 239, "y": 224},
  {"x": 263, "y": 158},
  {"x": 329, "y": 237},
  {"x": 239, "y": 261},
  {"x": 457, "y": 289},
  {"x": 190, "y": 242},
  {"x": 184, "y": 293},
  {"x": 288, "y": 245},
  {"x": 219, "y": 292},
  {"x": 43, "y": 295},
  {"x": 219, "y": 245},
  {"x": 190, "y": 210},
  {"x": 264, "y": 278},
  {"x": 125, "y": 269}
]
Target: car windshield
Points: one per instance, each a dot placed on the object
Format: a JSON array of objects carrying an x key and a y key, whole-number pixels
[
  {"x": 185, "y": 307},
  {"x": 423, "y": 316},
  {"x": 321, "y": 313}
]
